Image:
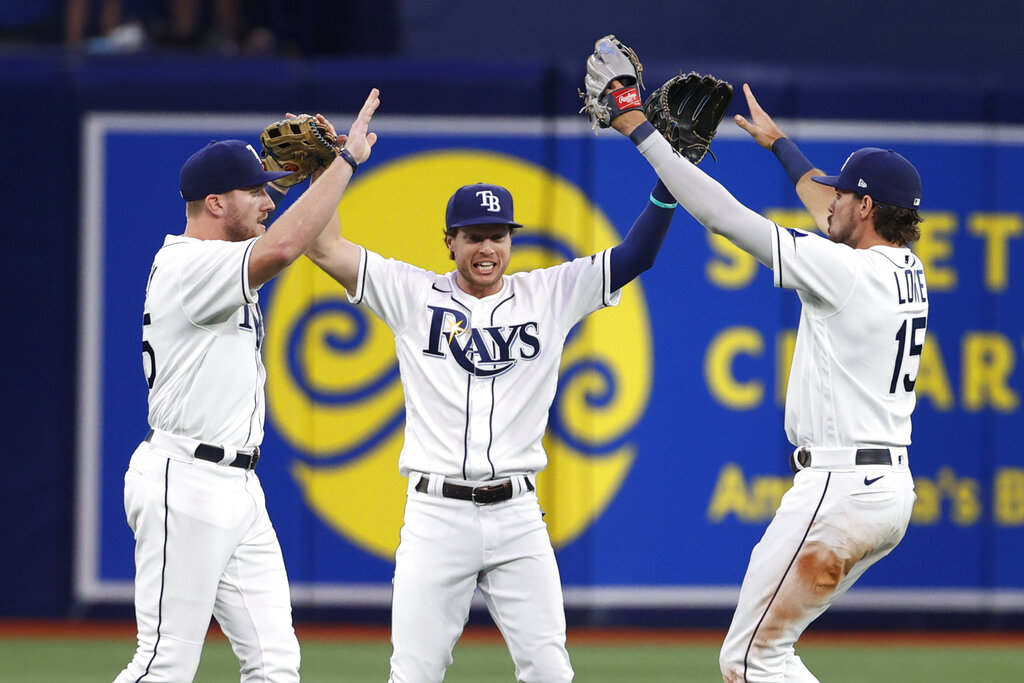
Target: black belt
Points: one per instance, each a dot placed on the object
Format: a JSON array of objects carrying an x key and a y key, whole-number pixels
[
  {"x": 204, "y": 451},
  {"x": 865, "y": 456},
  {"x": 481, "y": 495}
]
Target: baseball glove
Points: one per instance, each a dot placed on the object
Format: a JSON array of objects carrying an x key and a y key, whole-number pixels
[
  {"x": 300, "y": 144},
  {"x": 611, "y": 61},
  {"x": 687, "y": 110}
]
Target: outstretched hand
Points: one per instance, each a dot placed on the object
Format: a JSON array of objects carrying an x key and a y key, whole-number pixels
[
  {"x": 760, "y": 126},
  {"x": 358, "y": 141},
  {"x": 815, "y": 197}
]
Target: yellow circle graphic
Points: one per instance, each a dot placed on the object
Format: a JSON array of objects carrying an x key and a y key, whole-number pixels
[{"x": 335, "y": 395}]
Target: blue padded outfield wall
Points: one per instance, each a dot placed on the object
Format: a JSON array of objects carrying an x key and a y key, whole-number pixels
[
  {"x": 666, "y": 434},
  {"x": 667, "y": 450}
]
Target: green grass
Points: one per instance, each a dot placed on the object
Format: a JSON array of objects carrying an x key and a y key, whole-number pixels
[{"x": 81, "y": 660}]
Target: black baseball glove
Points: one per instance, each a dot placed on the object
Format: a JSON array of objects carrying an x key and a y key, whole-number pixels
[{"x": 687, "y": 110}]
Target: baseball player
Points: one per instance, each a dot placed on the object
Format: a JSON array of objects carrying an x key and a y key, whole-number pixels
[
  {"x": 851, "y": 388},
  {"x": 479, "y": 353},
  {"x": 204, "y": 541}
]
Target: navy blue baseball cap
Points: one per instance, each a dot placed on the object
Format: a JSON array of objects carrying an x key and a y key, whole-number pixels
[
  {"x": 480, "y": 204},
  {"x": 882, "y": 173},
  {"x": 221, "y": 167}
]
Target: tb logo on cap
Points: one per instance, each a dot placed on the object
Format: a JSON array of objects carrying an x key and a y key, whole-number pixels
[{"x": 490, "y": 200}]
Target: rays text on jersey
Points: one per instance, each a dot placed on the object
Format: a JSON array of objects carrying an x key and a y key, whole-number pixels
[{"x": 485, "y": 351}]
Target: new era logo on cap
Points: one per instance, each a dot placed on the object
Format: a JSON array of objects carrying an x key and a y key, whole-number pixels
[
  {"x": 881, "y": 173},
  {"x": 480, "y": 204}
]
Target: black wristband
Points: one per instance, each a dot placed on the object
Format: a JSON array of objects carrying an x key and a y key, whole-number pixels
[
  {"x": 791, "y": 158},
  {"x": 347, "y": 156}
]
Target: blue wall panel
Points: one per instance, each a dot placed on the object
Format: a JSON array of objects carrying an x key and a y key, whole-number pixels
[
  {"x": 709, "y": 463},
  {"x": 970, "y": 464}
]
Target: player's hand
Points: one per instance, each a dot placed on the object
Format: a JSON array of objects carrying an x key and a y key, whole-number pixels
[
  {"x": 626, "y": 122},
  {"x": 334, "y": 136},
  {"x": 760, "y": 126},
  {"x": 358, "y": 141}
]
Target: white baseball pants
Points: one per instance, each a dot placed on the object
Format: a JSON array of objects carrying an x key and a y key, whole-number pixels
[
  {"x": 204, "y": 545},
  {"x": 448, "y": 548},
  {"x": 829, "y": 528}
]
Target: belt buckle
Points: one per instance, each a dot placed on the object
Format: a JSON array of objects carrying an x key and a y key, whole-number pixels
[
  {"x": 803, "y": 456},
  {"x": 494, "y": 488},
  {"x": 800, "y": 459}
]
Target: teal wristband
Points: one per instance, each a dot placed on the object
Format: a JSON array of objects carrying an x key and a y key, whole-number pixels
[{"x": 663, "y": 204}]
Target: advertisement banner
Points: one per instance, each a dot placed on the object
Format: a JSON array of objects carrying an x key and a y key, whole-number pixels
[{"x": 665, "y": 440}]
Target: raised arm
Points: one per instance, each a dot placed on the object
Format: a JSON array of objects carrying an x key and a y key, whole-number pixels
[
  {"x": 300, "y": 225},
  {"x": 641, "y": 245},
  {"x": 335, "y": 255},
  {"x": 815, "y": 197},
  {"x": 701, "y": 195}
]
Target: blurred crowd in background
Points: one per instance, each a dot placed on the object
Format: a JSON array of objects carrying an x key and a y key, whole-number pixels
[{"x": 227, "y": 27}]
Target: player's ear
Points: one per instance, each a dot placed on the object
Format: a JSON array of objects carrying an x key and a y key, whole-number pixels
[
  {"x": 214, "y": 204},
  {"x": 866, "y": 204},
  {"x": 449, "y": 237}
]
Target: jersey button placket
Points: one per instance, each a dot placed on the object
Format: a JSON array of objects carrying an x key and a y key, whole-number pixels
[
  {"x": 479, "y": 426},
  {"x": 479, "y": 413}
]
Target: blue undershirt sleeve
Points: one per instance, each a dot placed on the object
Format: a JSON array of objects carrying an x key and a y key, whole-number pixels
[
  {"x": 640, "y": 247},
  {"x": 791, "y": 158}
]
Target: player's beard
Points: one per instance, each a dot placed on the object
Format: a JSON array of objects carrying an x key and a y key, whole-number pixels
[
  {"x": 840, "y": 231},
  {"x": 237, "y": 228}
]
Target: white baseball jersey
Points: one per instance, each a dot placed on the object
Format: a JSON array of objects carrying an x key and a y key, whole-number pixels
[
  {"x": 202, "y": 335},
  {"x": 479, "y": 374},
  {"x": 205, "y": 544},
  {"x": 858, "y": 304}
]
